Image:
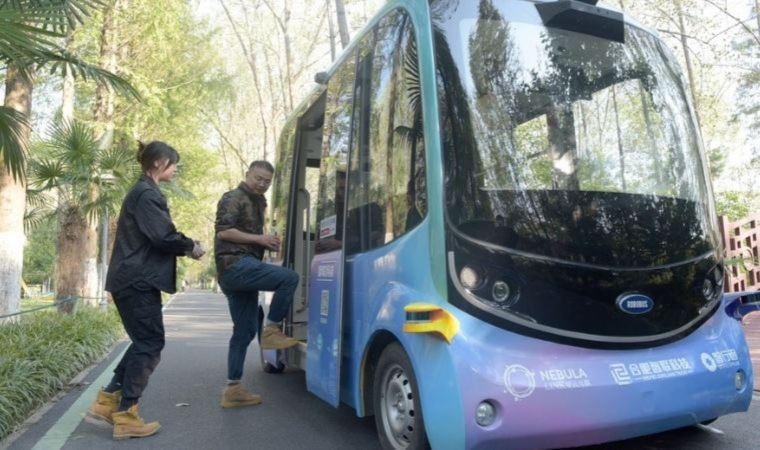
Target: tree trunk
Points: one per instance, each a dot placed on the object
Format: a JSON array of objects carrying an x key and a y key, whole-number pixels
[
  {"x": 340, "y": 11},
  {"x": 687, "y": 58},
  {"x": 71, "y": 250},
  {"x": 331, "y": 28},
  {"x": 105, "y": 100},
  {"x": 18, "y": 95},
  {"x": 621, "y": 152}
]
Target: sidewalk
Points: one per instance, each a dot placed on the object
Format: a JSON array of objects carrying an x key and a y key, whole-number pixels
[
  {"x": 752, "y": 332},
  {"x": 184, "y": 394}
]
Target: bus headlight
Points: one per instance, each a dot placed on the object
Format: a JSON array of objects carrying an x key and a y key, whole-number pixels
[
  {"x": 469, "y": 278},
  {"x": 485, "y": 414},
  {"x": 500, "y": 292}
]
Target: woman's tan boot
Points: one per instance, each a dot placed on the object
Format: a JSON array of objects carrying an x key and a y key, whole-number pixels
[
  {"x": 128, "y": 424},
  {"x": 105, "y": 404}
]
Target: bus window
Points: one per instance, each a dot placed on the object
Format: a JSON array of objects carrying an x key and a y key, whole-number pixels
[
  {"x": 387, "y": 180},
  {"x": 335, "y": 146},
  {"x": 281, "y": 188}
]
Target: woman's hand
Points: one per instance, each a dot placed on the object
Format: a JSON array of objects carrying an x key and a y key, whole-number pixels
[{"x": 198, "y": 251}]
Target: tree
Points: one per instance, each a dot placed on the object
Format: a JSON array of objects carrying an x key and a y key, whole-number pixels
[
  {"x": 18, "y": 98},
  {"x": 89, "y": 179},
  {"x": 340, "y": 11},
  {"x": 30, "y": 29}
]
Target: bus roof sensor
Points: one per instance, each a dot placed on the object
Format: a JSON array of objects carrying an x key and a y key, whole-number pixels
[{"x": 581, "y": 16}]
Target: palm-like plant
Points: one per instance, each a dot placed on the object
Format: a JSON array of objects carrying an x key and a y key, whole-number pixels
[
  {"x": 89, "y": 180},
  {"x": 30, "y": 35}
]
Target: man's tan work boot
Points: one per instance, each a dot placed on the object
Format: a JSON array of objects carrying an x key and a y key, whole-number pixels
[
  {"x": 128, "y": 424},
  {"x": 235, "y": 395},
  {"x": 272, "y": 338},
  {"x": 105, "y": 404}
]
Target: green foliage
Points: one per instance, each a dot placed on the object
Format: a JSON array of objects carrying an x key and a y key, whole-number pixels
[
  {"x": 42, "y": 352},
  {"x": 39, "y": 254},
  {"x": 80, "y": 171},
  {"x": 30, "y": 32},
  {"x": 734, "y": 205}
]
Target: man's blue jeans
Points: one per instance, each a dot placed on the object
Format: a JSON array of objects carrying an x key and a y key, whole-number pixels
[{"x": 241, "y": 283}]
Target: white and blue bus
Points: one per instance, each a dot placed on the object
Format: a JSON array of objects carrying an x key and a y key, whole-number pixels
[{"x": 503, "y": 222}]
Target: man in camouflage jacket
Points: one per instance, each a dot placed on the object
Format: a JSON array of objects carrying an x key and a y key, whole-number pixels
[{"x": 239, "y": 247}]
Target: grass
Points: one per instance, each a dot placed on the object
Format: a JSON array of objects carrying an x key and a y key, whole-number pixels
[
  {"x": 41, "y": 352},
  {"x": 35, "y": 302}
]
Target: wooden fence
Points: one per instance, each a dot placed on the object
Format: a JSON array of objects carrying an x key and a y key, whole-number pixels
[{"x": 742, "y": 252}]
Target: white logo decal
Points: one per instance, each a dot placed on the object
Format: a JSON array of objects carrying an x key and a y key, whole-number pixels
[
  {"x": 324, "y": 306},
  {"x": 722, "y": 359},
  {"x": 556, "y": 379},
  {"x": 650, "y": 370},
  {"x": 519, "y": 381},
  {"x": 709, "y": 362},
  {"x": 620, "y": 374}
]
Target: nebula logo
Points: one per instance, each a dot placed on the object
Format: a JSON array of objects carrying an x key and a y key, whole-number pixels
[{"x": 519, "y": 381}]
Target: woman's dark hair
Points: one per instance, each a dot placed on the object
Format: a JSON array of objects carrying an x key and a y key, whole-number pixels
[{"x": 147, "y": 155}]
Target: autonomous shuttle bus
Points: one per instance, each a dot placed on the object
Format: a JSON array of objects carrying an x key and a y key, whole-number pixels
[{"x": 505, "y": 232}]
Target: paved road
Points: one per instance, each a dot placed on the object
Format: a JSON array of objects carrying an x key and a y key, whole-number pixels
[{"x": 192, "y": 372}]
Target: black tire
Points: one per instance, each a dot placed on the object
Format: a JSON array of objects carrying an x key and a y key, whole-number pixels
[
  {"x": 398, "y": 411},
  {"x": 266, "y": 366}
]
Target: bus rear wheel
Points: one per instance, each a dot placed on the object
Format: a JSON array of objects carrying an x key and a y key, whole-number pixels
[{"x": 397, "y": 407}]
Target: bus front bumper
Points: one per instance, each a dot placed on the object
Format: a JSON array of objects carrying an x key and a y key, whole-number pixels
[{"x": 548, "y": 395}]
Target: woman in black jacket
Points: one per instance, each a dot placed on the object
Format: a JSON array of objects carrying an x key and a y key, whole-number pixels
[{"x": 142, "y": 265}]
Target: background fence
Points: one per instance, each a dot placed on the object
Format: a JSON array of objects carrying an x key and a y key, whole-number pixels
[{"x": 742, "y": 252}]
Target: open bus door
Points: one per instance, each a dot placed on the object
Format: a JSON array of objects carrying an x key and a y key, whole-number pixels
[{"x": 325, "y": 286}]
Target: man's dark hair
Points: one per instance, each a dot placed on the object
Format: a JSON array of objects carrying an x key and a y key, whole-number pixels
[
  {"x": 261, "y": 164},
  {"x": 155, "y": 151}
]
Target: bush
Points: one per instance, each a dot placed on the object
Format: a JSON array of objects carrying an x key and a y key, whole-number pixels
[{"x": 43, "y": 351}]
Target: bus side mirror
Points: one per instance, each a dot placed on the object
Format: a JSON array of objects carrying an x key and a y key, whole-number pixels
[
  {"x": 739, "y": 304},
  {"x": 321, "y": 78}
]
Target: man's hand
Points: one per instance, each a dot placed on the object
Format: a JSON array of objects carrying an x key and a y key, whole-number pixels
[
  {"x": 270, "y": 242},
  {"x": 198, "y": 251}
]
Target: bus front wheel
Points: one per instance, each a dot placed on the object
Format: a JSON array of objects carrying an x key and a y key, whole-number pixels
[{"x": 396, "y": 401}]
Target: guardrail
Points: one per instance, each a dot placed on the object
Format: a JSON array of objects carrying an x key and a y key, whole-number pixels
[{"x": 55, "y": 304}]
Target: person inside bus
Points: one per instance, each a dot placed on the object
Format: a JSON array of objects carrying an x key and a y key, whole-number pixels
[
  {"x": 239, "y": 246},
  {"x": 142, "y": 265}
]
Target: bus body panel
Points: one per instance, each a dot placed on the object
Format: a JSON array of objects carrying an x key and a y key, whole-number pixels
[
  {"x": 379, "y": 285},
  {"x": 552, "y": 395}
]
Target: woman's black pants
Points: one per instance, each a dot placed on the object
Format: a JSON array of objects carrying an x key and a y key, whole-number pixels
[{"x": 140, "y": 312}]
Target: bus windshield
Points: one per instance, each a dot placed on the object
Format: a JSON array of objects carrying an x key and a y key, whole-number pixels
[{"x": 567, "y": 145}]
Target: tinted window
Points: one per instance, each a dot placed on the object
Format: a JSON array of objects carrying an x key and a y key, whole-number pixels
[
  {"x": 335, "y": 146},
  {"x": 387, "y": 180},
  {"x": 282, "y": 182}
]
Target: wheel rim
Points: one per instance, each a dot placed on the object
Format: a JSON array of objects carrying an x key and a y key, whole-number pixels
[{"x": 397, "y": 407}]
